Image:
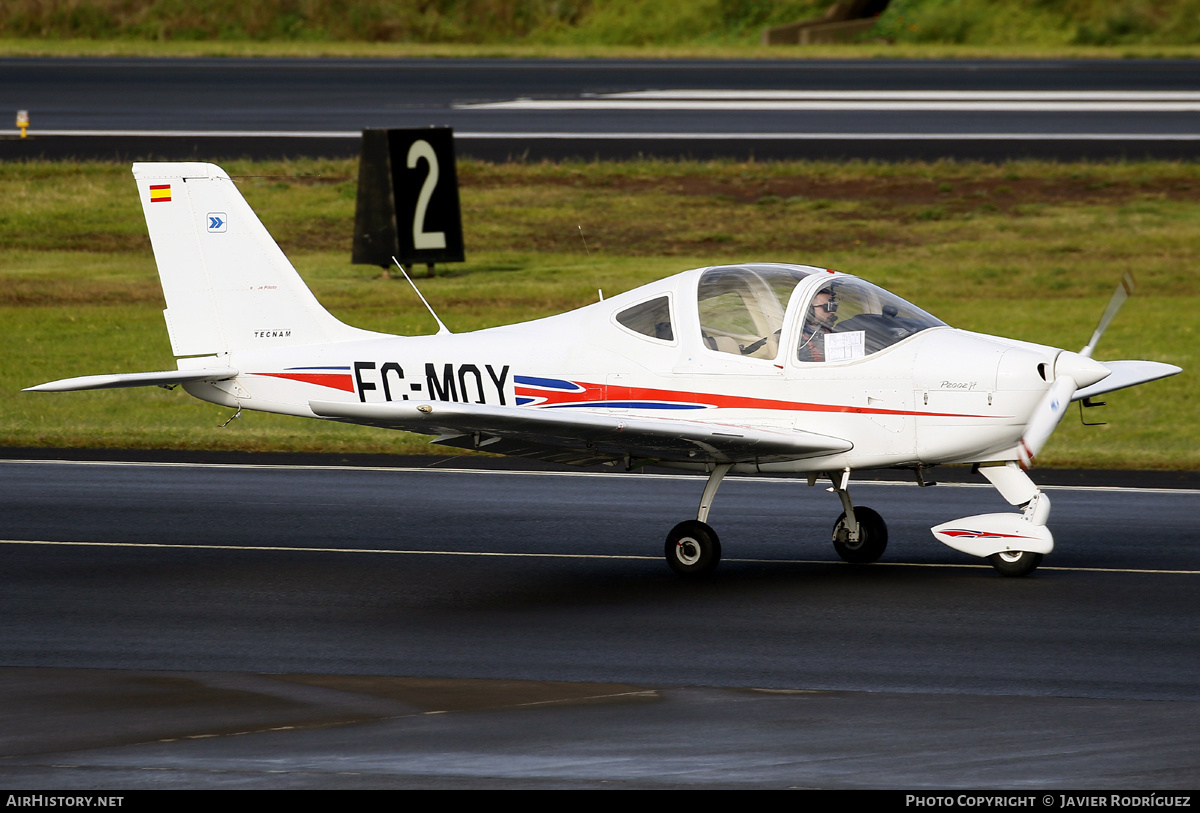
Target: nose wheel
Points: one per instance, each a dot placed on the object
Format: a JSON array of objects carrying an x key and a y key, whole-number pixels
[{"x": 1015, "y": 562}]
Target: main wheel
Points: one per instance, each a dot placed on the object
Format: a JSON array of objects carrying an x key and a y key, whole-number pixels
[
  {"x": 1015, "y": 562},
  {"x": 872, "y": 537},
  {"x": 692, "y": 548}
]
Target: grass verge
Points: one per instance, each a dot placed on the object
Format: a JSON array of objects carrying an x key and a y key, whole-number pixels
[
  {"x": 592, "y": 28},
  {"x": 66, "y": 48}
]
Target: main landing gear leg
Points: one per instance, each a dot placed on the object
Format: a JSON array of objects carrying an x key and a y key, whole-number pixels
[
  {"x": 692, "y": 547},
  {"x": 860, "y": 534}
]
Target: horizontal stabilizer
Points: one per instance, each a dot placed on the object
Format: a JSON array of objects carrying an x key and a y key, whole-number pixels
[
  {"x": 114, "y": 381},
  {"x": 1127, "y": 374},
  {"x": 605, "y": 435}
]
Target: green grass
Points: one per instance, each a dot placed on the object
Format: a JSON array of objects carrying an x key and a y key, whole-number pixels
[
  {"x": 591, "y": 28},
  {"x": 10, "y": 47},
  {"x": 1026, "y": 250},
  {"x": 1061, "y": 23}
]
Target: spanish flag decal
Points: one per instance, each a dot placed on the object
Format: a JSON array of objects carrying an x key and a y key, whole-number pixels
[{"x": 160, "y": 193}]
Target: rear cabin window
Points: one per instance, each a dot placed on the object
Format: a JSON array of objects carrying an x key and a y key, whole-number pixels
[{"x": 651, "y": 318}]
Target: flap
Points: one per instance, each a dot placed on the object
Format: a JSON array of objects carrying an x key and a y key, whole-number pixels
[{"x": 602, "y": 434}]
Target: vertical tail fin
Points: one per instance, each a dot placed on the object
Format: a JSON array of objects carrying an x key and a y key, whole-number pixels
[{"x": 227, "y": 284}]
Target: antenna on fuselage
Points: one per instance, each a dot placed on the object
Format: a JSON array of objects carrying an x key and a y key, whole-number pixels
[
  {"x": 441, "y": 327},
  {"x": 589, "y": 253}
]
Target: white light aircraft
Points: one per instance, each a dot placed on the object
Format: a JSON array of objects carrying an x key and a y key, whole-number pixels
[{"x": 756, "y": 367}]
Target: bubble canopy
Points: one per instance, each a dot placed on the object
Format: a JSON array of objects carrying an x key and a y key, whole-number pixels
[{"x": 744, "y": 310}]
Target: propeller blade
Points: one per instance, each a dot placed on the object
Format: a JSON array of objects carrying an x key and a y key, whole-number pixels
[
  {"x": 1124, "y": 289},
  {"x": 1046, "y": 417}
]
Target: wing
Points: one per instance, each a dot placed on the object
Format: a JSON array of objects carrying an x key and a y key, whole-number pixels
[
  {"x": 166, "y": 378},
  {"x": 1127, "y": 374},
  {"x": 578, "y": 436}
]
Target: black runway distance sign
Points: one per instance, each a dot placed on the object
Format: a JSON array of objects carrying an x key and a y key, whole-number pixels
[{"x": 407, "y": 204}]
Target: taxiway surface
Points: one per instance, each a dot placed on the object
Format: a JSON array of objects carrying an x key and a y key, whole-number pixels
[
  {"x": 502, "y": 108},
  {"x": 329, "y": 616}
]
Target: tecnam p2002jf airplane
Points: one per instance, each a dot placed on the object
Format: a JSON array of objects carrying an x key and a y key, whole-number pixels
[{"x": 744, "y": 368}]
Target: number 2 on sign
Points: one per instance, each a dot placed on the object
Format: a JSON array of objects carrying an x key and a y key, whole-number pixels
[{"x": 421, "y": 238}]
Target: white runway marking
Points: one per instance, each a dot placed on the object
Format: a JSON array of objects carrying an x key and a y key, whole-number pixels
[
  {"x": 1001, "y": 101},
  {"x": 694, "y": 477},
  {"x": 917, "y": 95},
  {"x": 760, "y": 135},
  {"x": 194, "y": 133},
  {"x": 300, "y": 549},
  {"x": 821, "y": 136},
  {"x": 496, "y": 554}
]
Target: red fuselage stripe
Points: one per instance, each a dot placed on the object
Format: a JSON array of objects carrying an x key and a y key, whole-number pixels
[
  {"x": 598, "y": 392},
  {"x": 338, "y": 381}
]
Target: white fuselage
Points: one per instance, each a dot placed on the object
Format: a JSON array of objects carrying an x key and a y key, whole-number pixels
[{"x": 941, "y": 395}]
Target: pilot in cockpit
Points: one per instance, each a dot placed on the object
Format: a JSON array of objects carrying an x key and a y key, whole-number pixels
[{"x": 822, "y": 317}]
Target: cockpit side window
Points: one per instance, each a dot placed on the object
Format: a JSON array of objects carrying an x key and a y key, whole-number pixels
[
  {"x": 741, "y": 307},
  {"x": 851, "y": 318},
  {"x": 651, "y": 318}
]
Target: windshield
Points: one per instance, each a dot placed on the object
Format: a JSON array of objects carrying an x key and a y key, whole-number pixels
[{"x": 851, "y": 318}]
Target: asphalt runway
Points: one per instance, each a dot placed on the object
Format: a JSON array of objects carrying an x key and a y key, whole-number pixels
[
  {"x": 125, "y": 109},
  {"x": 242, "y": 626}
]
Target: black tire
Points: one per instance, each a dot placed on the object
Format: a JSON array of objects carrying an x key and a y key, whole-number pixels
[
  {"x": 1015, "y": 562},
  {"x": 692, "y": 548},
  {"x": 872, "y": 537}
]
